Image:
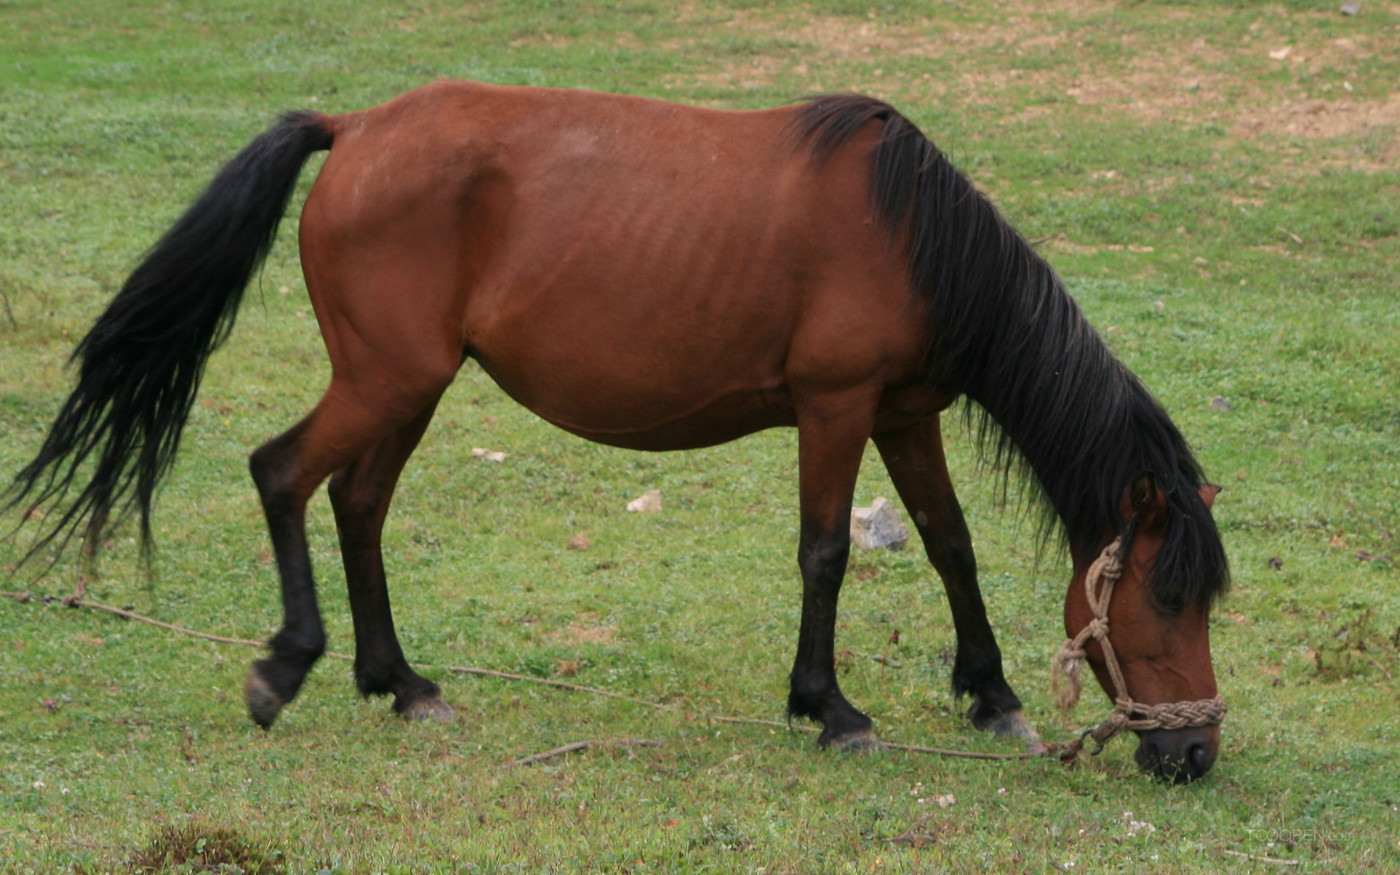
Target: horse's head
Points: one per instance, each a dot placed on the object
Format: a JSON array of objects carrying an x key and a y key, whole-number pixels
[{"x": 1162, "y": 649}]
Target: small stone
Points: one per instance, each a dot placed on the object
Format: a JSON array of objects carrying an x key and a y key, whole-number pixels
[
  {"x": 647, "y": 502},
  {"x": 877, "y": 526},
  {"x": 1219, "y": 403},
  {"x": 1351, "y": 7},
  {"x": 488, "y": 455},
  {"x": 1275, "y": 563},
  {"x": 579, "y": 541}
]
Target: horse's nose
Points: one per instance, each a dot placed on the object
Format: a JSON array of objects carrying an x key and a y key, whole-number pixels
[{"x": 1178, "y": 755}]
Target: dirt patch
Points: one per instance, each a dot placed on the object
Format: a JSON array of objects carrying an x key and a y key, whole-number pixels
[
  {"x": 587, "y": 631},
  {"x": 1286, "y": 75},
  {"x": 1378, "y": 121}
]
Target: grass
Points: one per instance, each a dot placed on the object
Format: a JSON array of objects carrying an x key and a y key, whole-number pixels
[{"x": 1226, "y": 218}]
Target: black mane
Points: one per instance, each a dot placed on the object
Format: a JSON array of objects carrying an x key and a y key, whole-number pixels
[{"x": 1003, "y": 331}]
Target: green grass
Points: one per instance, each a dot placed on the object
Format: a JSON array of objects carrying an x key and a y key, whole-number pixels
[{"x": 1223, "y": 238}]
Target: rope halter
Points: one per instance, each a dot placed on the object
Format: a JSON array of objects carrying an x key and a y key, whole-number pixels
[{"x": 1127, "y": 713}]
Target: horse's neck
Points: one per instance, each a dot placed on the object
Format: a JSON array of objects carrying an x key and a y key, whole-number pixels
[{"x": 1059, "y": 407}]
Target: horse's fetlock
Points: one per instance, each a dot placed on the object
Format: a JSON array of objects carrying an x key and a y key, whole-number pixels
[
  {"x": 373, "y": 682},
  {"x": 978, "y": 672},
  {"x": 301, "y": 650}
]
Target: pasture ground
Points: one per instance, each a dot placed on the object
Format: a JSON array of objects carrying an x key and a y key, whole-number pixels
[{"x": 1219, "y": 185}]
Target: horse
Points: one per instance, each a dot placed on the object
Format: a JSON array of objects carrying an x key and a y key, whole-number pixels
[{"x": 657, "y": 277}]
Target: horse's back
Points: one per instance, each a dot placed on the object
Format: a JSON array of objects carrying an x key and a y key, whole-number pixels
[{"x": 640, "y": 272}]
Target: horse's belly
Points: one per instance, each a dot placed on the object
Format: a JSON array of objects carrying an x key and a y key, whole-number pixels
[
  {"x": 720, "y": 420},
  {"x": 646, "y": 408}
]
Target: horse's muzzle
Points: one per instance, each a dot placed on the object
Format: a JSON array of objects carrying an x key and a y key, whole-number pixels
[{"x": 1178, "y": 755}]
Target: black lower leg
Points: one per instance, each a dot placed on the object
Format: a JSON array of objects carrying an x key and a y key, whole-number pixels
[
  {"x": 275, "y": 680},
  {"x": 977, "y": 669},
  {"x": 914, "y": 457},
  {"x": 360, "y": 494},
  {"x": 814, "y": 691},
  {"x": 380, "y": 665}
]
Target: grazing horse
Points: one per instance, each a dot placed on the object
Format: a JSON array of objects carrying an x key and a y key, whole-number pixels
[{"x": 658, "y": 277}]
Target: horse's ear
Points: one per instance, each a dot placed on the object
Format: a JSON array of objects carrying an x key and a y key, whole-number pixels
[
  {"x": 1146, "y": 502},
  {"x": 1208, "y": 491}
]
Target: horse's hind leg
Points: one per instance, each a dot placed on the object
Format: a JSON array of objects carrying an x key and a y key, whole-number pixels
[
  {"x": 351, "y": 419},
  {"x": 360, "y": 494},
  {"x": 832, "y": 433},
  {"x": 915, "y": 460},
  {"x": 274, "y": 681}
]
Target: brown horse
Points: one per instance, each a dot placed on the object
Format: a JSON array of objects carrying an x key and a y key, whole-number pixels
[{"x": 658, "y": 277}]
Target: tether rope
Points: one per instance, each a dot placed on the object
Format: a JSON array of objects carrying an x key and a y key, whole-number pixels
[
  {"x": 1067, "y": 663},
  {"x": 78, "y": 601}
]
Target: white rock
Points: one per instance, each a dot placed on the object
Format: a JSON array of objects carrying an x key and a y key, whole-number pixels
[
  {"x": 647, "y": 502},
  {"x": 878, "y": 525},
  {"x": 488, "y": 455}
]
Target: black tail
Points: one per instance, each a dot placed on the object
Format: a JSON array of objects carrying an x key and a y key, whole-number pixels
[{"x": 140, "y": 365}]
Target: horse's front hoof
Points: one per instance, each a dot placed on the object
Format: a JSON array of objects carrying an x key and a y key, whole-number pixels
[
  {"x": 856, "y": 741},
  {"x": 263, "y": 702},
  {"x": 1011, "y": 725},
  {"x": 429, "y": 709},
  {"x": 1003, "y": 724}
]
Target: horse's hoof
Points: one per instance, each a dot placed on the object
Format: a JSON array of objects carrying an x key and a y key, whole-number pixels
[
  {"x": 1012, "y": 725},
  {"x": 431, "y": 709},
  {"x": 263, "y": 703},
  {"x": 1004, "y": 724},
  {"x": 860, "y": 741}
]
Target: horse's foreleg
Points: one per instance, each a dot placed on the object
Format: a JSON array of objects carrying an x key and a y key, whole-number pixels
[
  {"x": 919, "y": 470},
  {"x": 831, "y": 440},
  {"x": 360, "y": 494}
]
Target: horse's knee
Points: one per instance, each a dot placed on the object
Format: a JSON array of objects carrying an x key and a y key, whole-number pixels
[
  {"x": 823, "y": 560},
  {"x": 953, "y": 558}
]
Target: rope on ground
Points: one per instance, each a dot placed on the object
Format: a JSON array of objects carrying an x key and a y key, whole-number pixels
[
  {"x": 76, "y": 601},
  {"x": 131, "y": 615},
  {"x": 584, "y": 745},
  {"x": 1276, "y": 861},
  {"x": 968, "y": 754}
]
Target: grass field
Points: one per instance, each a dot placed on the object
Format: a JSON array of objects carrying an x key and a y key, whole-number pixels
[{"x": 1218, "y": 183}]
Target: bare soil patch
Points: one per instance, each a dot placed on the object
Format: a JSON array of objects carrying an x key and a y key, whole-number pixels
[
  {"x": 1289, "y": 76},
  {"x": 589, "y": 630}
]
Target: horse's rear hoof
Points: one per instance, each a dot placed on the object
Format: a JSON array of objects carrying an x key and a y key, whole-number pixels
[
  {"x": 431, "y": 709},
  {"x": 263, "y": 703},
  {"x": 857, "y": 741}
]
